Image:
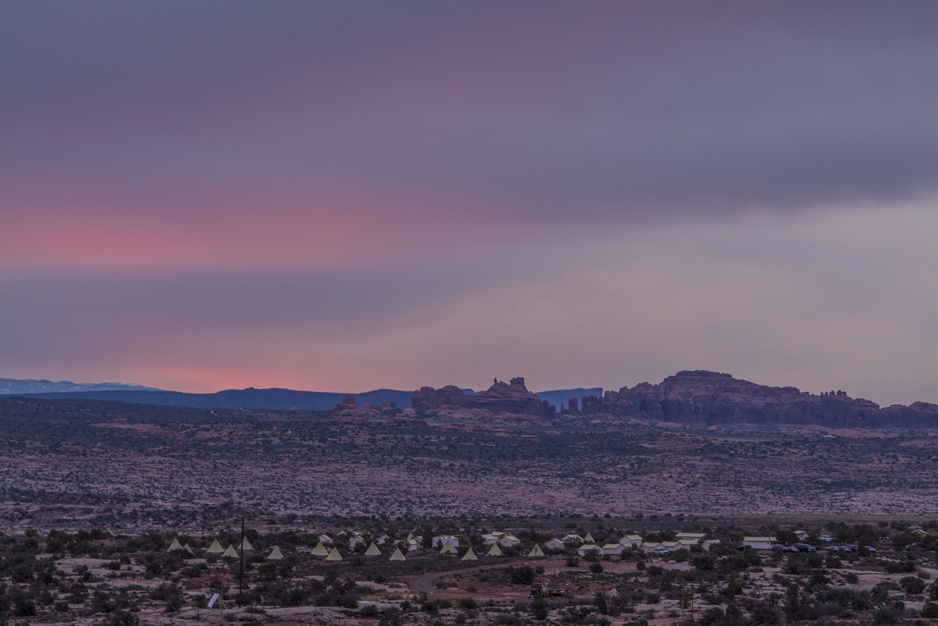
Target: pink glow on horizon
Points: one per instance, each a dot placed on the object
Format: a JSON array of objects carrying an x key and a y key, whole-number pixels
[{"x": 338, "y": 231}]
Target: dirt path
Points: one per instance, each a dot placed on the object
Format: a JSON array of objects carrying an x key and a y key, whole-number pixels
[{"x": 424, "y": 582}]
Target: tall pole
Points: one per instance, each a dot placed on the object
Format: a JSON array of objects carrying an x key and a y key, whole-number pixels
[{"x": 241, "y": 573}]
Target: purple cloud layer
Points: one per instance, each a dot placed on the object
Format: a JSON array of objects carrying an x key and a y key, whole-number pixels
[
  {"x": 541, "y": 110},
  {"x": 194, "y": 185}
]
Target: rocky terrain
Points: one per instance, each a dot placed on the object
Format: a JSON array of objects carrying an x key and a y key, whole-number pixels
[
  {"x": 708, "y": 398},
  {"x": 846, "y": 573},
  {"x": 696, "y": 398},
  {"x": 512, "y": 397},
  {"x": 92, "y": 494},
  {"x": 123, "y": 465}
]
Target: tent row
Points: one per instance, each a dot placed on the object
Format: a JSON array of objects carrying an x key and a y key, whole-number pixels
[
  {"x": 448, "y": 547},
  {"x": 228, "y": 553}
]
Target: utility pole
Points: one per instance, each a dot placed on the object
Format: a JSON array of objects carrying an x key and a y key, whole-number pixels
[{"x": 241, "y": 573}]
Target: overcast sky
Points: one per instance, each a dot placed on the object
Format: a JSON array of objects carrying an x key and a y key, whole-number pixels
[{"x": 343, "y": 196}]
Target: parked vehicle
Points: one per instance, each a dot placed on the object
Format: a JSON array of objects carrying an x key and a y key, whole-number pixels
[
  {"x": 826, "y": 538},
  {"x": 804, "y": 547}
]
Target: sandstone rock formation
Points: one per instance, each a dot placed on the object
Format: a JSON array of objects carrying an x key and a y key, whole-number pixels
[
  {"x": 708, "y": 398},
  {"x": 512, "y": 397}
]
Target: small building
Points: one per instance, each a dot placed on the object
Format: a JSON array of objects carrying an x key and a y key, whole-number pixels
[
  {"x": 759, "y": 543},
  {"x": 613, "y": 549},
  {"x": 555, "y": 545},
  {"x": 589, "y": 548},
  {"x": 440, "y": 540},
  {"x": 690, "y": 540}
]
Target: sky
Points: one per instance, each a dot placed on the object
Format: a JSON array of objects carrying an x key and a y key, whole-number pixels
[{"x": 344, "y": 196}]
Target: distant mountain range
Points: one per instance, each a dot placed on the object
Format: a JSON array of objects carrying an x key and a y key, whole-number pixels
[
  {"x": 250, "y": 398},
  {"x": 15, "y": 387},
  {"x": 698, "y": 398}
]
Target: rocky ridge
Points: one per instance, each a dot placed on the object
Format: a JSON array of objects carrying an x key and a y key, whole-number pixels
[
  {"x": 698, "y": 398},
  {"x": 511, "y": 398}
]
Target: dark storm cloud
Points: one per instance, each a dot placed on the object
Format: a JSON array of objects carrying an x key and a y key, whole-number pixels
[
  {"x": 67, "y": 314},
  {"x": 535, "y": 110}
]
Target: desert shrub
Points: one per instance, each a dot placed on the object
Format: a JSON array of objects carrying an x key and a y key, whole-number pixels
[
  {"x": 888, "y": 614},
  {"x": 912, "y": 585},
  {"x": 899, "y": 567},
  {"x": 521, "y": 575},
  {"x": 121, "y": 617},
  {"x": 703, "y": 561}
]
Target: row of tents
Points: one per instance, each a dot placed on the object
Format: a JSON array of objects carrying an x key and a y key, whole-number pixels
[
  {"x": 228, "y": 553},
  {"x": 334, "y": 555}
]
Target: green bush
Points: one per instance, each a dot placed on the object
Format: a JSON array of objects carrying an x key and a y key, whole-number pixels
[{"x": 912, "y": 585}]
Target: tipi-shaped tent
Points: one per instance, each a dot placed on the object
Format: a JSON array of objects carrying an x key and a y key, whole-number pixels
[
  {"x": 470, "y": 555},
  {"x": 448, "y": 548},
  {"x": 535, "y": 552},
  {"x": 398, "y": 555},
  {"x": 320, "y": 550},
  {"x": 175, "y": 545},
  {"x": 230, "y": 552},
  {"x": 494, "y": 550},
  {"x": 589, "y": 538},
  {"x": 215, "y": 548},
  {"x": 334, "y": 555},
  {"x": 188, "y": 548},
  {"x": 373, "y": 550},
  {"x": 246, "y": 545},
  {"x": 410, "y": 536},
  {"x": 275, "y": 554}
]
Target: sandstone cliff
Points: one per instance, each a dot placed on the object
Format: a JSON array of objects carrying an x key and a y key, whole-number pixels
[
  {"x": 707, "y": 398},
  {"x": 512, "y": 397}
]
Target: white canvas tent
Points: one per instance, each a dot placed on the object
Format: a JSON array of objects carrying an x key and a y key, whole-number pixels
[
  {"x": 494, "y": 550},
  {"x": 448, "y": 548},
  {"x": 246, "y": 545},
  {"x": 334, "y": 555},
  {"x": 470, "y": 555},
  {"x": 230, "y": 552},
  {"x": 320, "y": 550},
  {"x": 175, "y": 545},
  {"x": 535, "y": 552},
  {"x": 275, "y": 555},
  {"x": 398, "y": 555},
  {"x": 215, "y": 548},
  {"x": 373, "y": 550}
]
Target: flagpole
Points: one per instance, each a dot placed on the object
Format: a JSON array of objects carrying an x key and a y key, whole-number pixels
[{"x": 241, "y": 573}]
